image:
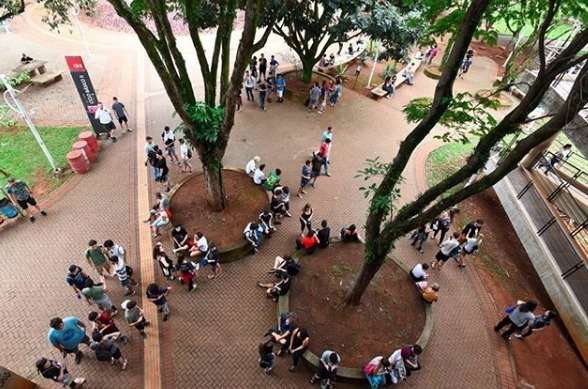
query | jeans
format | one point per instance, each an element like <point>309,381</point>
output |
<point>163,308</point>
<point>296,356</point>
<point>249,92</point>
<point>326,165</point>
<point>511,327</point>
<point>262,100</point>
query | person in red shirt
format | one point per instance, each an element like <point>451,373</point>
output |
<point>308,243</point>
<point>104,323</point>
<point>324,152</point>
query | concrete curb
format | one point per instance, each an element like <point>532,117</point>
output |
<point>354,374</point>
<point>233,252</point>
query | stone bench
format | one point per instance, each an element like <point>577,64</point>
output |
<point>400,78</point>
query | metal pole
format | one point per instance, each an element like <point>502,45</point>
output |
<point>76,13</point>
<point>20,109</point>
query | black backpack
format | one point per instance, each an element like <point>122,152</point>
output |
<point>103,352</point>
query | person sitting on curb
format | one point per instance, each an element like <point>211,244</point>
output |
<point>252,165</point>
<point>200,247</point>
<point>537,324</point>
<point>187,272</point>
<point>253,233</point>
<point>161,220</point>
<point>259,176</point>
<point>419,272</point>
<point>431,293</point>
<point>285,266</point>
<point>349,234</point>
<point>280,334</point>
<point>272,180</point>
<point>378,372</point>
<point>212,259</point>
<point>265,220</point>
<point>324,235</point>
<point>181,239</point>
<point>327,369</point>
<point>308,242</point>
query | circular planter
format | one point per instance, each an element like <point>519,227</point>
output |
<point>354,374</point>
<point>433,71</point>
<point>503,99</point>
<point>234,250</point>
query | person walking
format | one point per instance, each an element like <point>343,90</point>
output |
<point>121,114</point>
<point>324,152</point>
<point>299,342</point>
<point>157,295</point>
<point>418,237</point>
<point>67,334</point>
<point>96,294</point>
<point>97,256</point>
<point>537,324</point>
<point>280,87</point>
<point>104,117</point>
<point>447,249</point>
<point>262,95</point>
<point>239,98</point>
<point>250,83</point>
<point>306,218</point>
<point>162,170</point>
<point>53,370</point>
<point>305,177</point>
<point>466,63</point>
<point>267,357</point>
<point>169,140</point>
<point>327,134</point>
<point>336,93</point>
<point>186,156</point>
<point>20,193</point>
<point>135,316</point>
<point>516,319</point>
<point>262,66</point>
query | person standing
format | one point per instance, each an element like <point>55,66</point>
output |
<point>103,115</point>
<point>418,237</point>
<point>305,177</point>
<point>249,86</point>
<point>316,166</point>
<point>280,87</point>
<point>262,95</point>
<point>157,295</point>
<point>124,272</point>
<point>162,170</point>
<point>447,249</point>
<point>53,370</point>
<point>96,294</point>
<point>313,96</point>
<point>187,272</point>
<point>262,66</point>
<point>253,66</point>
<point>20,193</point>
<point>299,342</point>
<point>324,153</point>
<point>77,279</point>
<point>107,351</point>
<point>121,114</point>
<point>433,51</point>
<point>135,316</point>
<point>186,156</point>
<point>306,218</point>
<point>516,319</point>
<point>336,94</point>
<point>267,357</point>
<point>537,324</point>
<point>66,335</point>
<point>327,134</point>
<point>238,98</point>
<point>169,140</point>
<point>165,262</point>
<point>273,66</point>
<point>466,63</point>
<point>98,258</point>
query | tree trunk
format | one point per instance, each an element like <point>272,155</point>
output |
<point>361,282</point>
<point>307,65</point>
<point>215,191</point>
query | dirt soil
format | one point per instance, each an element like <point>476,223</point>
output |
<point>391,313</point>
<point>547,359</point>
<point>245,201</point>
<point>496,53</point>
<point>296,89</point>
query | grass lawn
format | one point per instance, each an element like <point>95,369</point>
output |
<point>446,160</point>
<point>21,156</point>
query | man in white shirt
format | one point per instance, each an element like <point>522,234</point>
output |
<point>418,273</point>
<point>259,175</point>
<point>251,166</point>
<point>105,118</point>
<point>327,134</point>
<point>249,86</point>
<point>186,156</point>
<point>169,140</point>
<point>447,249</point>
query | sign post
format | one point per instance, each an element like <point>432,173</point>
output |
<point>83,84</point>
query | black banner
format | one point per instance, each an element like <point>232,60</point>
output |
<point>84,86</point>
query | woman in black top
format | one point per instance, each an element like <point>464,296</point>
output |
<point>306,218</point>
<point>55,371</point>
<point>299,342</point>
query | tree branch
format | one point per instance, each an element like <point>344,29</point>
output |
<point>553,6</point>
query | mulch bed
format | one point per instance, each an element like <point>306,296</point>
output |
<point>245,201</point>
<point>390,315</point>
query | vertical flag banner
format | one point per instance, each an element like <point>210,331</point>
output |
<point>83,84</point>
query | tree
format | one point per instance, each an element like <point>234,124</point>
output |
<point>385,224</point>
<point>311,27</point>
<point>208,124</point>
<point>10,8</point>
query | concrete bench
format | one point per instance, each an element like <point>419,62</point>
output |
<point>46,78</point>
<point>414,65</point>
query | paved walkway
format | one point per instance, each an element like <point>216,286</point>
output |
<point>211,338</point>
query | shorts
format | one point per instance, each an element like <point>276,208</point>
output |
<point>441,257</point>
<point>160,224</point>
<point>315,174</point>
<point>280,93</point>
<point>24,204</point>
<point>117,355</point>
<point>107,127</point>
<point>122,119</point>
<point>126,283</point>
<point>304,182</point>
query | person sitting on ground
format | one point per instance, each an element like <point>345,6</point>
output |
<point>327,369</point>
<point>472,229</point>
<point>389,86</point>
<point>161,220</point>
<point>53,370</point>
<point>200,247</point>
<point>418,237</point>
<point>285,266</point>
<point>378,372</point>
<point>278,208</point>
<point>419,272</point>
<point>308,242</point>
<point>272,180</point>
<point>447,249</point>
<point>266,357</point>
<point>537,324</point>
<point>107,351</point>
<point>324,234</point>
<point>469,246</point>
<point>212,259</point>
<point>252,165</point>
<point>349,234</point>
<point>265,221</point>
<point>253,233</point>
<point>431,293</point>
<point>181,239</point>
<point>280,334</point>
<point>25,59</point>
<point>276,289</point>
<point>259,175</point>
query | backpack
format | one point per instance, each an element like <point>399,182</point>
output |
<point>152,157</point>
<point>292,268</point>
<point>103,352</point>
<point>189,153</point>
<point>186,267</point>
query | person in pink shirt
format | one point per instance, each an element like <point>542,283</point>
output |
<point>433,51</point>
<point>324,152</point>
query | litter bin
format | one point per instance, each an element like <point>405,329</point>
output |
<point>7,209</point>
<point>84,147</point>
<point>78,161</point>
<point>89,137</point>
